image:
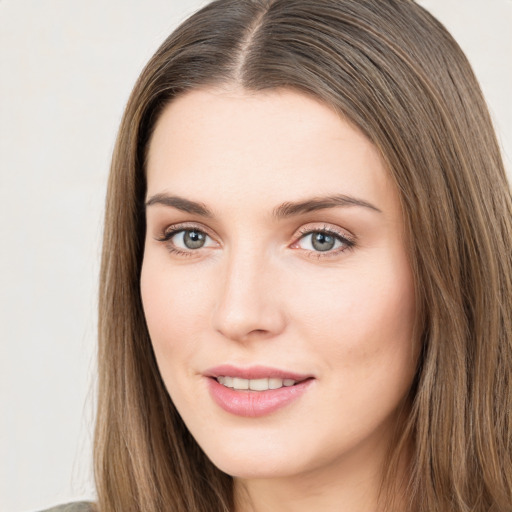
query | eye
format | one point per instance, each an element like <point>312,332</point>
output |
<point>323,241</point>
<point>184,241</point>
<point>189,239</point>
<point>320,241</point>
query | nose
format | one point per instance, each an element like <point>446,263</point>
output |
<point>250,301</point>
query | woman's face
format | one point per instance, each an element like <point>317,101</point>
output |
<point>275,260</point>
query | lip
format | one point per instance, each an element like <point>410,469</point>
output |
<point>254,372</point>
<point>253,404</point>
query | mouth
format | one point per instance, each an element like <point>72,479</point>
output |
<point>255,391</point>
<point>263,384</point>
<point>255,378</point>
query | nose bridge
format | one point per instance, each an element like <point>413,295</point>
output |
<point>247,300</point>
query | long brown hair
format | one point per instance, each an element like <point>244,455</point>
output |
<point>395,72</point>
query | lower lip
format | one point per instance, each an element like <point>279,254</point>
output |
<point>252,404</point>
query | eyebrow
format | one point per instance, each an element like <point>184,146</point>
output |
<point>320,203</point>
<point>180,203</point>
<point>288,209</point>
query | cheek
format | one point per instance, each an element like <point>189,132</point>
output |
<point>174,312</point>
<point>364,321</point>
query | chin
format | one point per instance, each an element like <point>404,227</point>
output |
<point>251,469</point>
<point>260,458</point>
<point>254,460</point>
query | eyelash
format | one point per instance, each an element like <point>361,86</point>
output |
<point>172,231</point>
<point>348,242</point>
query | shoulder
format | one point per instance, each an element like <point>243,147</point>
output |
<point>79,506</point>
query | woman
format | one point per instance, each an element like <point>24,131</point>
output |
<point>307,276</point>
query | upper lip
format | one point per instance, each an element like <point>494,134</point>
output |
<point>254,372</point>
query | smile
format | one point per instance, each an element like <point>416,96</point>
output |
<point>255,391</point>
<point>264,384</point>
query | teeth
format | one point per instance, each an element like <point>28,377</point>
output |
<point>254,384</point>
<point>240,383</point>
<point>226,381</point>
<point>258,384</point>
<point>275,383</point>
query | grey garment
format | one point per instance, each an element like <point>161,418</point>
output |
<point>78,506</point>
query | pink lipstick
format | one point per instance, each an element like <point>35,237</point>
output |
<point>254,391</point>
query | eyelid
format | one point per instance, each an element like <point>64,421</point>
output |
<point>348,239</point>
<point>314,227</point>
<point>170,230</point>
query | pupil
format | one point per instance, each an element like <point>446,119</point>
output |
<point>194,239</point>
<point>323,242</point>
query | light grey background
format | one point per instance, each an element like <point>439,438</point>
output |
<point>66,69</point>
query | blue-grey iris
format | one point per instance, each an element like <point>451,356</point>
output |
<point>322,241</point>
<point>194,239</point>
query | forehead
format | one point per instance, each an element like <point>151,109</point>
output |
<point>280,145</point>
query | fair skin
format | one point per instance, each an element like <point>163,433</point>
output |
<point>239,278</point>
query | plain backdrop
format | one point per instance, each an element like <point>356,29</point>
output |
<point>66,70</point>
